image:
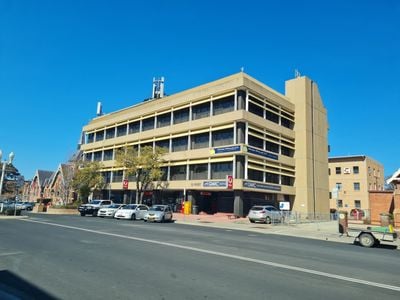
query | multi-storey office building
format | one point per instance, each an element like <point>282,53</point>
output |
<point>350,179</point>
<point>231,143</point>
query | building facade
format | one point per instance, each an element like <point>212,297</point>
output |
<point>350,180</point>
<point>230,144</point>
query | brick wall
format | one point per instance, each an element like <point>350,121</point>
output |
<point>380,202</point>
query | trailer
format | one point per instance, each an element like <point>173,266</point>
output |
<point>372,236</point>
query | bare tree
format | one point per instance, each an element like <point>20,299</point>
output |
<point>145,167</point>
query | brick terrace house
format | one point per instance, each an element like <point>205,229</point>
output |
<point>38,184</point>
<point>58,187</point>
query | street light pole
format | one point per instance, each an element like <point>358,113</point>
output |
<point>4,163</point>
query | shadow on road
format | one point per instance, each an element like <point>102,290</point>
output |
<point>14,287</point>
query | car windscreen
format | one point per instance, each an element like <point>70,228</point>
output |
<point>130,206</point>
<point>157,208</point>
<point>95,202</point>
<point>257,208</point>
<point>114,206</point>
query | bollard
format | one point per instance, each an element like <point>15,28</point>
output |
<point>343,222</point>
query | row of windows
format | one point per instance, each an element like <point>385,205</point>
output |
<point>199,111</point>
<point>356,186</point>
<point>181,172</point>
<point>205,171</point>
<point>357,203</point>
<point>270,146</point>
<point>195,141</point>
<point>269,112</point>
<point>338,170</point>
<point>195,112</point>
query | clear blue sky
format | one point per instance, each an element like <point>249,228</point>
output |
<point>59,58</point>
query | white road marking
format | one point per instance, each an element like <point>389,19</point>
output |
<point>11,253</point>
<point>232,256</point>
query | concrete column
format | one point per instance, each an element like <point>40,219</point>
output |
<point>239,167</point>
<point>238,204</point>
<point>241,100</point>
<point>240,133</point>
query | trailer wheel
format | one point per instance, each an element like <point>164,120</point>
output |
<point>367,240</point>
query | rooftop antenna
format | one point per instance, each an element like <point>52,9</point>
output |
<point>296,73</point>
<point>99,110</point>
<point>158,88</point>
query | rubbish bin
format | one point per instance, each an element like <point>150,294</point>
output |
<point>386,219</point>
<point>195,210</point>
<point>42,208</point>
<point>343,222</point>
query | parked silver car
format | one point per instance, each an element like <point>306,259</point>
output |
<point>264,213</point>
<point>132,212</point>
<point>109,211</point>
<point>159,213</point>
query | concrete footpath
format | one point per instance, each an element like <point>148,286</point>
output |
<point>324,230</point>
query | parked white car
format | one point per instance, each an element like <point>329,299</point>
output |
<point>159,213</point>
<point>132,212</point>
<point>264,213</point>
<point>109,211</point>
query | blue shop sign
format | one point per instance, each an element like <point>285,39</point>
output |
<point>221,183</point>
<point>235,148</point>
<point>262,186</point>
<point>262,153</point>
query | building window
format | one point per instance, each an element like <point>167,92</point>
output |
<point>221,170</point>
<point>223,105</point>
<point>97,155</point>
<point>287,151</point>
<point>356,170</point>
<point>164,172</point>
<point>110,133</point>
<point>148,124</point>
<point>255,109</point>
<point>256,142</point>
<point>287,123</point>
<point>271,116</point>
<point>338,170</point>
<point>107,176</point>
<point>201,140</point>
<point>90,138</point>
<point>329,171</point>
<point>356,186</point>
<point>339,186</point>
<point>108,154</point>
<point>117,176</point>
<point>287,180</point>
<point>178,173</point>
<point>357,203</point>
<point>163,144</point>
<point>271,177</point>
<point>200,111</point>
<point>339,203</point>
<point>255,175</point>
<point>88,156</point>
<point>222,137</point>
<point>99,136</point>
<point>181,116</point>
<point>121,130</point>
<point>180,144</point>
<point>164,120</point>
<point>198,172</point>
<point>133,127</point>
<point>271,147</point>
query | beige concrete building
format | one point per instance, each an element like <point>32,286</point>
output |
<point>350,180</point>
<point>231,143</point>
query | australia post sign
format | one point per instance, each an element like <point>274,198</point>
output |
<point>125,184</point>
<point>229,182</point>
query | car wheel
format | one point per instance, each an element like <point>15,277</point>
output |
<point>133,217</point>
<point>162,219</point>
<point>252,221</point>
<point>367,240</point>
<point>267,220</point>
<point>94,214</point>
<point>82,214</point>
<point>145,220</point>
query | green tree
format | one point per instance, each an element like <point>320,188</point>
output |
<point>87,179</point>
<point>145,167</point>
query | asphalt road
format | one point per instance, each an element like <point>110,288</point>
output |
<point>73,257</point>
